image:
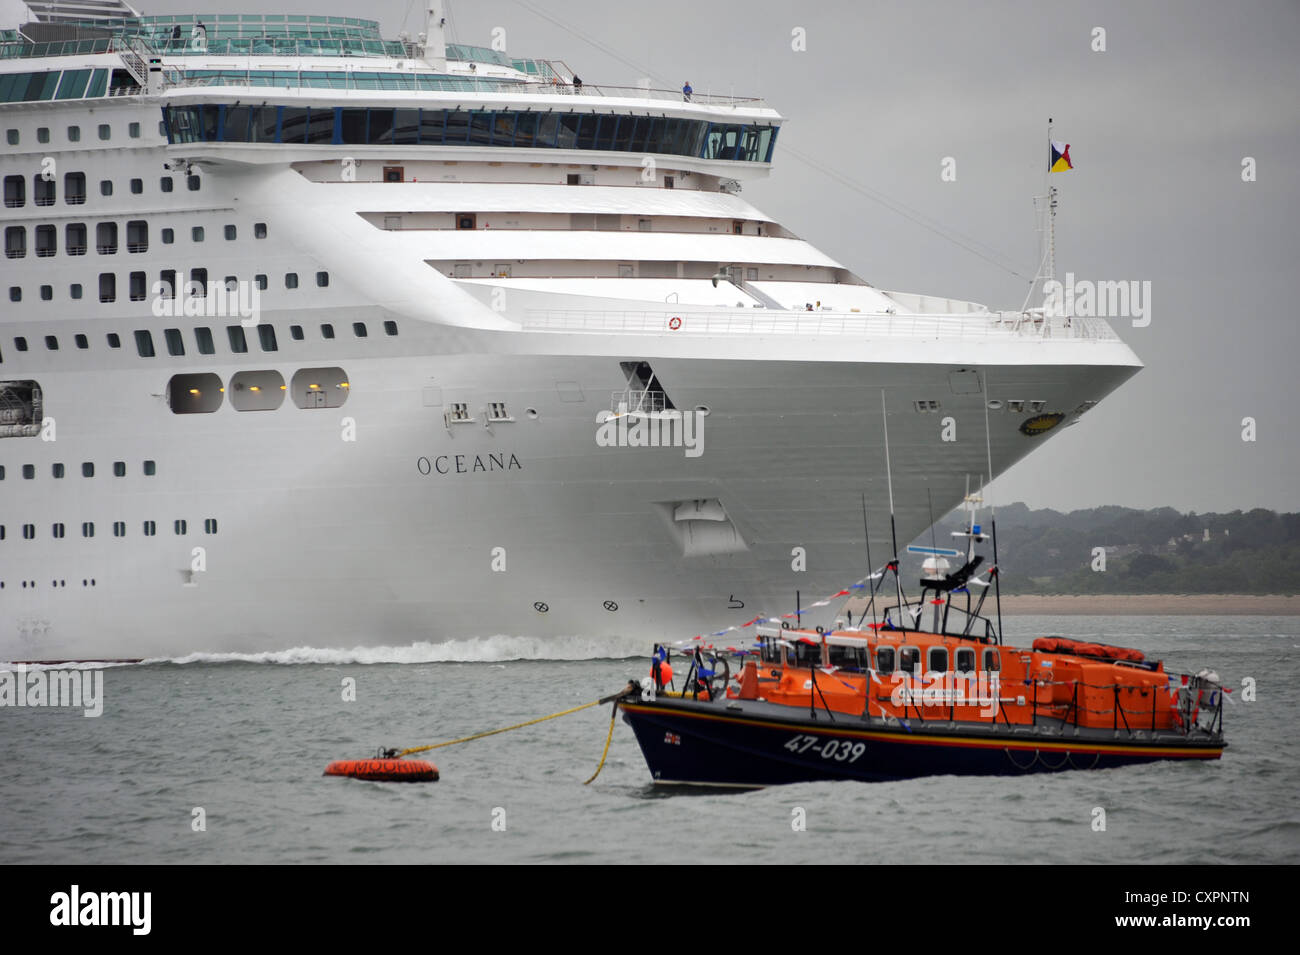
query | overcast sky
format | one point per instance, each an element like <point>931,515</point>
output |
<point>1158,125</point>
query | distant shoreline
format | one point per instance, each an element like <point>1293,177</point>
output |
<point>1100,605</point>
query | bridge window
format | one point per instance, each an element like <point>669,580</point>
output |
<point>937,660</point>
<point>965,660</point>
<point>885,659</point>
<point>909,660</point>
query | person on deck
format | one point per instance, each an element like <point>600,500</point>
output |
<point>687,91</point>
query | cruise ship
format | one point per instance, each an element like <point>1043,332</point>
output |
<point>316,338</point>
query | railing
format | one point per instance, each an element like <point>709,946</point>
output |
<point>740,321</point>
<point>637,401</point>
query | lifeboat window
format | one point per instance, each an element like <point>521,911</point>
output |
<point>319,387</point>
<point>938,660</point>
<point>885,659</point>
<point>194,394</point>
<point>808,654</point>
<point>992,661</point>
<point>771,650</point>
<point>848,658</point>
<point>909,659</point>
<point>966,660</point>
<point>257,391</point>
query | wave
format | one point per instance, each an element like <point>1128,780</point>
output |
<point>497,649</point>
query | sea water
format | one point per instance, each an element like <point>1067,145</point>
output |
<point>218,759</point>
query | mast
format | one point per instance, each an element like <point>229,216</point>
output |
<point>435,39</point>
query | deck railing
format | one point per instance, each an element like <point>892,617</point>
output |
<point>738,321</point>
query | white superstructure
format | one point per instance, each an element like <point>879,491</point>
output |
<point>446,267</point>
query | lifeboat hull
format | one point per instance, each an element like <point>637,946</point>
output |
<point>755,744</point>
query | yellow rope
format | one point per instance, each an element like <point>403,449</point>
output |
<point>504,729</point>
<point>608,738</point>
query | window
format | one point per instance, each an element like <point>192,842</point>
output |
<point>323,279</point>
<point>965,660</point>
<point>12,136</point>
<point>193,394</point>
<point>198,283</point>
<point>20,343</point>
<point>47,293</point>
<point>238,343</point>
<point>196,234</point>
<point>29,531</point>
<point>359,329</point>
<point>43,134</point>
<point>15,192</point>
<point>992,662</point>
<point>465,221</point>
<point>138,286</point>
<point>150,528</point>
<point>75,238</point>
<point>390,327</point>
<point>144,343</point>
<point>203,341</point>
<point>909,660</point>
<point>105,132</point>
<point>180,527</point>
<point>74,188</point>
<point>295,332</point>
<point>15,293</point>
<point>106,238</point>
<point>175,345</point>
<point>74,134</point>
<point>29,471</point>
<point>937,660</point>
<point>230,233</point>
<point>47,241</point>
<point>81,341</point>
<point>52,342</point>
<point>137,236</point>
<point>167,283</point>
<point>210,525</point>
<point>74,290</point>
<point>166,184</point>
<point>119,469</point>
<point>290,279</point>
<point>261,282</point>
<point>192,183</point>
<point>106,187</point>
<point>57,469</point>
<point>133,130</point>
<point>259,230</point>
<point>150,468</point>
<point>168,236</point>
<point>44,190</point>
<point>326,330</point>
<point>266,335</point>
<point>885,659</point>
<point>137,187</point>
<point>57,531</point>
<point>88,529</point>
<point>114,341</point>
<point>107,287</point>
<point>119,528</point>
<point>15,242</point>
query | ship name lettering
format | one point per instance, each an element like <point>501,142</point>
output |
<point>468,463</point>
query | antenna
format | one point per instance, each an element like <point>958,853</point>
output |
<point>867,535</point>
<point>893,530</point>
<point>995,572</point>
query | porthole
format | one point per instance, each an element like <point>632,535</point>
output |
<point>995,405</point>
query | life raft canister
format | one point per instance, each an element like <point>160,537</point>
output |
<point>385,770</point>
<point>1081,648</point>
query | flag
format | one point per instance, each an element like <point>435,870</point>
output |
<point>1060,157</point>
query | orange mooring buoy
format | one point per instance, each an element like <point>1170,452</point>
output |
<point>386,770</point>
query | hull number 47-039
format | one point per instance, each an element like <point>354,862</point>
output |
<point>840,750</point>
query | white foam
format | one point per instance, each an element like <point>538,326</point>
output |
<point>470,650</point>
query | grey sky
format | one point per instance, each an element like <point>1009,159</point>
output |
<point>1158,125</point>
